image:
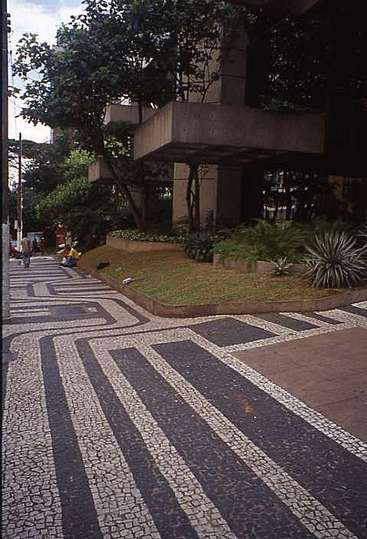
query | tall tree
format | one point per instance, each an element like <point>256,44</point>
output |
<point>149,52</point>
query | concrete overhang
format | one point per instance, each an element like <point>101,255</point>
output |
<point>155,172</point>
<point>221,134</point>
<point>291,7</point>
<point>98,172</point>
<point>127,113</point>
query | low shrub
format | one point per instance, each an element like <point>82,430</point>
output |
<point>199,246</point>
<point>155,236</point>
<point>264,242</point>
<point>335,261</point>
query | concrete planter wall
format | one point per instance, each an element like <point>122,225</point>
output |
<point>135,246</point>
<point>241,266</point>
<point>261,266</point>
<point>187,311</point>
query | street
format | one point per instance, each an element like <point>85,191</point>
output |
<point>118,423</point>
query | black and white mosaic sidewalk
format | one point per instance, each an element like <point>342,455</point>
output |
<point>119,424</point>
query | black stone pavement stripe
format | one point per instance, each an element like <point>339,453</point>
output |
<point>78,511</point>
<point>171,521</point>
<point>228,331</point>
<point>249,507</point>
<point>326,470</point>
<point>287,321</point>
<point>63,313</point>
<point>119,301</point>
<point>322,318</point>
<point>354,310</point>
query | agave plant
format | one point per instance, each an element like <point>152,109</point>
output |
<point>280,266</point>
<point>362,235</point>
<point>335,261</point>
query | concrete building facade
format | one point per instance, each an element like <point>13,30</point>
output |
<point>232,142</point>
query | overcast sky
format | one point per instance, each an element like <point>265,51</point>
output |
<point>40,17</point>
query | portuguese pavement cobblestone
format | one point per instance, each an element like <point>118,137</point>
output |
<point>120,424</point>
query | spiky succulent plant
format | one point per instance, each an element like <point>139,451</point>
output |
<point>335,261</point>
<point>280,266</point>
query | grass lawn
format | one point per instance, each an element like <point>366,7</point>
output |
<point>173,279</point>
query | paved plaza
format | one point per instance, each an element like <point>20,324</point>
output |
<point>120,424</point>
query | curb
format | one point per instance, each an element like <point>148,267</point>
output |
<point>190,311</point>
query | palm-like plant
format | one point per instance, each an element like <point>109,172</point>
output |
<point>280,266</point>
<point>335,261</point>
<point>362,234</point>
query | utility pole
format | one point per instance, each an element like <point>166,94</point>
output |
<point>4,161</point>
<point>20,196</point>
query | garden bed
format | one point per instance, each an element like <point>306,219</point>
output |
<point>260,266</point>
<point>173,280</point>
<point>138,246</point>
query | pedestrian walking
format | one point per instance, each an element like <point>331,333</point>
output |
<point>35,247</point>
<point>26,251</point>
<point>43,246</point>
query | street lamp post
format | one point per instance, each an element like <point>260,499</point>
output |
<point>4,162</point>
<point>20,197</point>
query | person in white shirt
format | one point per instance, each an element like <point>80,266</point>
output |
<point>26,251</point>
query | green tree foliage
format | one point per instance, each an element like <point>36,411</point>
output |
<point>300,63</point>
<point>149,52</point>
<point>86,209</point>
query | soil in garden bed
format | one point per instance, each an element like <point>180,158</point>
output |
<point>171,278</point>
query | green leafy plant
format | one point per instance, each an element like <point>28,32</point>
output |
<point>199,247</point>
<point>335,261</point>
<point>280,266</point>
<point>137,235</point>
<point>264,242</point>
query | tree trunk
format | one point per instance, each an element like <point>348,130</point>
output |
<point>197,200</point>
<point>189,199</point>
<point>193,198</point>
<point>124,190</point>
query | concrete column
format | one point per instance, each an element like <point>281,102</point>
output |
<point>252,194</point>
<point>229,196</point>
<point>220,186</point>
<point>208,193</point>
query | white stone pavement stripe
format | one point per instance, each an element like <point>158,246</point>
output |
<point>16,310</point>
<point>172,521</point>
<point>312,514</point>
<point>29,314</point>
<point>45,327</point>
<point>309,511</point>
<point>344,316</point>
<point>267,326</point>
<point>18,294</point>
<point>79,517</point>
<point>30,495</point>
<point>319,464</point>
<point>78,285</point>
<point>233,487</point>
<point>309,319</point>
<point>113,488</point>
<point>294,335</point>
<point>187,489</point>
<point>317,420</point>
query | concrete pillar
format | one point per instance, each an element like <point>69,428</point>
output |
<point>220,186</point>
<point>252,194</point>
<point>208,193</point>
<point>229,196</point>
